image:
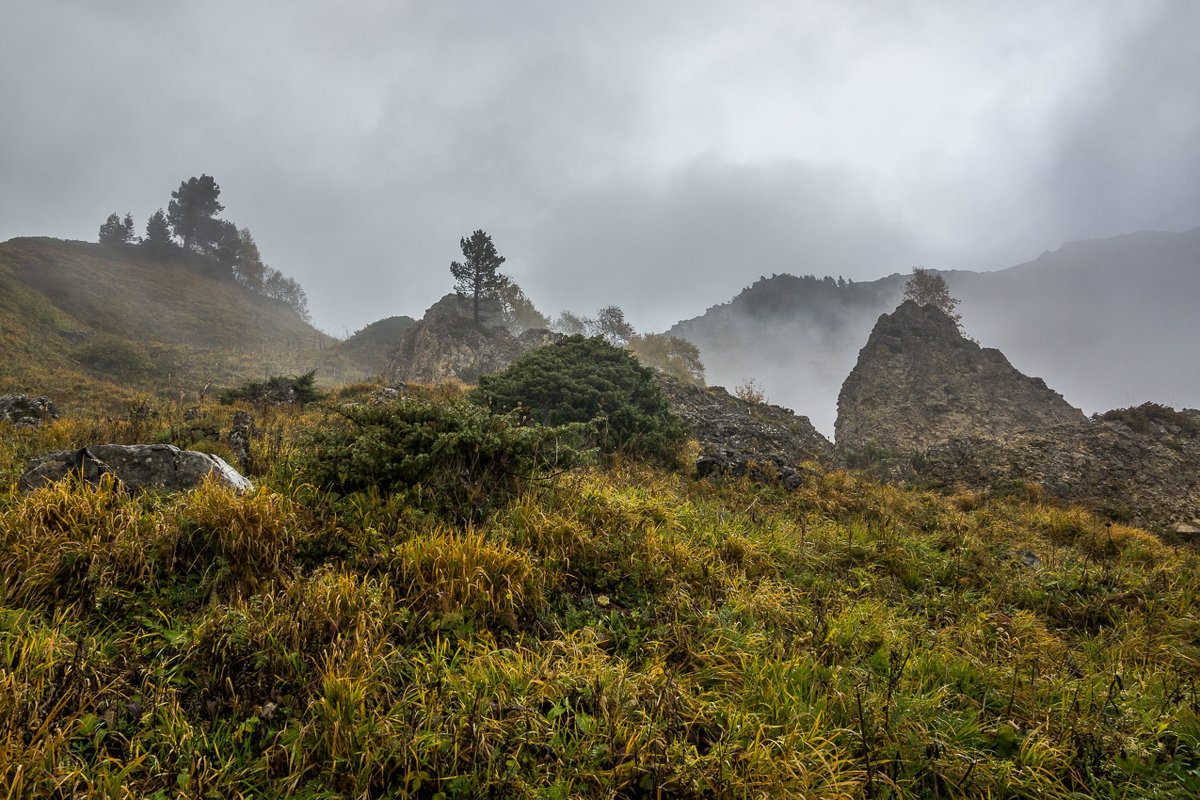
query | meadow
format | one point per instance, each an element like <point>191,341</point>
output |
<point>619,629</point>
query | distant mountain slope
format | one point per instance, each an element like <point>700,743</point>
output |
<point>372,345</point>
<point>89,324</point>
<point>1108,322</point>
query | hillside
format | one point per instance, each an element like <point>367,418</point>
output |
<point>95,325</point>
<point>372,345</point>
<point>1102,321</point>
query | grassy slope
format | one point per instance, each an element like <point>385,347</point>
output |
<point>92,326</point>
<point>623,633</point>
<point>373,344</point>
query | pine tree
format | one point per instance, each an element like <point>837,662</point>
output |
<point>158,234</point>
<point>114,231</point>
<point>192,213</point>
<point>476,276</point>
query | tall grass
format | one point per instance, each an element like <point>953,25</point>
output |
<point>620,633</point>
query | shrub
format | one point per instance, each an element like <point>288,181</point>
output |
<point>751,391</point>
<point>114,355</point>
<point>588,381</point>
<point>449,456</point>
<point>276,390</point>
<point>1140,418</point>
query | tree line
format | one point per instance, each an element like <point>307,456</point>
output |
<point>191,229</point>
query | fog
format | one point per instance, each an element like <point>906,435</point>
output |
<point>1108,323</point>
<point>655,156</point>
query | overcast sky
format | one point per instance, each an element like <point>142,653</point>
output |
<point>656,155</point>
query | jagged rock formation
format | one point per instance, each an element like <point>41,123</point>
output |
<point>156,467</point>
<point>1148,475</point>
<point>739,437</point>
<point>918,382</point>
<point>25,411</point>
<point>447,344</point>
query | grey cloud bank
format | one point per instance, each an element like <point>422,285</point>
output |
<point>659,156</point>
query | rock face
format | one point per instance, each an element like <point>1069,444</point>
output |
<point>1149,476</point>
<point>739,437</point>
<point>448,344</point>
<point>156,467</point>
<point>918,382</point>
<point>26,411</point>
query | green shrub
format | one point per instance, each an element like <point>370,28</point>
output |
<point>276,390</point>
<point>589,381</point>
<point>449,456</point>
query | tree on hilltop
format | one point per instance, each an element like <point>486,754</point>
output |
<point>476,276</point>
<point>610,323</point>
<point>158,234</point>
<point>117,231</point>
<point>570,323</point>
<point>192,213</point>
<point>927,288</point>
<point>516,309</point>
<point>672,355</point>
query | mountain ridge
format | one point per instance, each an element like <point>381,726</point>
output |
<point>1079,316</point>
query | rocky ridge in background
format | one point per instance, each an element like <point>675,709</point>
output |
<point>919,381</point>
<point>1147,474</point>
<point>744,438</point>
<point>924,403</point>
<point>448,344</point>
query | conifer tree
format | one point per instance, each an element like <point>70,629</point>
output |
<point>192,212</point>
<point>114,231</point>
<point>158,234</point>
<point>476,276</point>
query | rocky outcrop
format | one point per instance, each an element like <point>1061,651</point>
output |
<point>1147,474</point>
<point>25,411</point>
<point>152,467</point>
<point>740,437</point>
<point>448,344</point>
<point>919,381</point>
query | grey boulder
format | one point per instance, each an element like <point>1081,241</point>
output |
<point>153,467</point>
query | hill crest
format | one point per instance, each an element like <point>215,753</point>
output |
<point>90,323</point>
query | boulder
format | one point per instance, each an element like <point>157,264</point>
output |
<point>25,411</point>
<point>744,438</point>
<point>919,381</point>
<point>447,344</point>
<point>151,467</point>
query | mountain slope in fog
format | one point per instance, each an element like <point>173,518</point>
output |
<point>92,324</point>
<point>1107,322</point>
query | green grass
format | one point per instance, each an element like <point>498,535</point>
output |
<point>621,632</point>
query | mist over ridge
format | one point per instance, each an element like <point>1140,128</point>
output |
<point>1107,322</point>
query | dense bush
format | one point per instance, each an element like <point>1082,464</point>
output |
<point>275,390</point>
<point>588,380</point>
<point>1140,418</point>
<point>452,457</point>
